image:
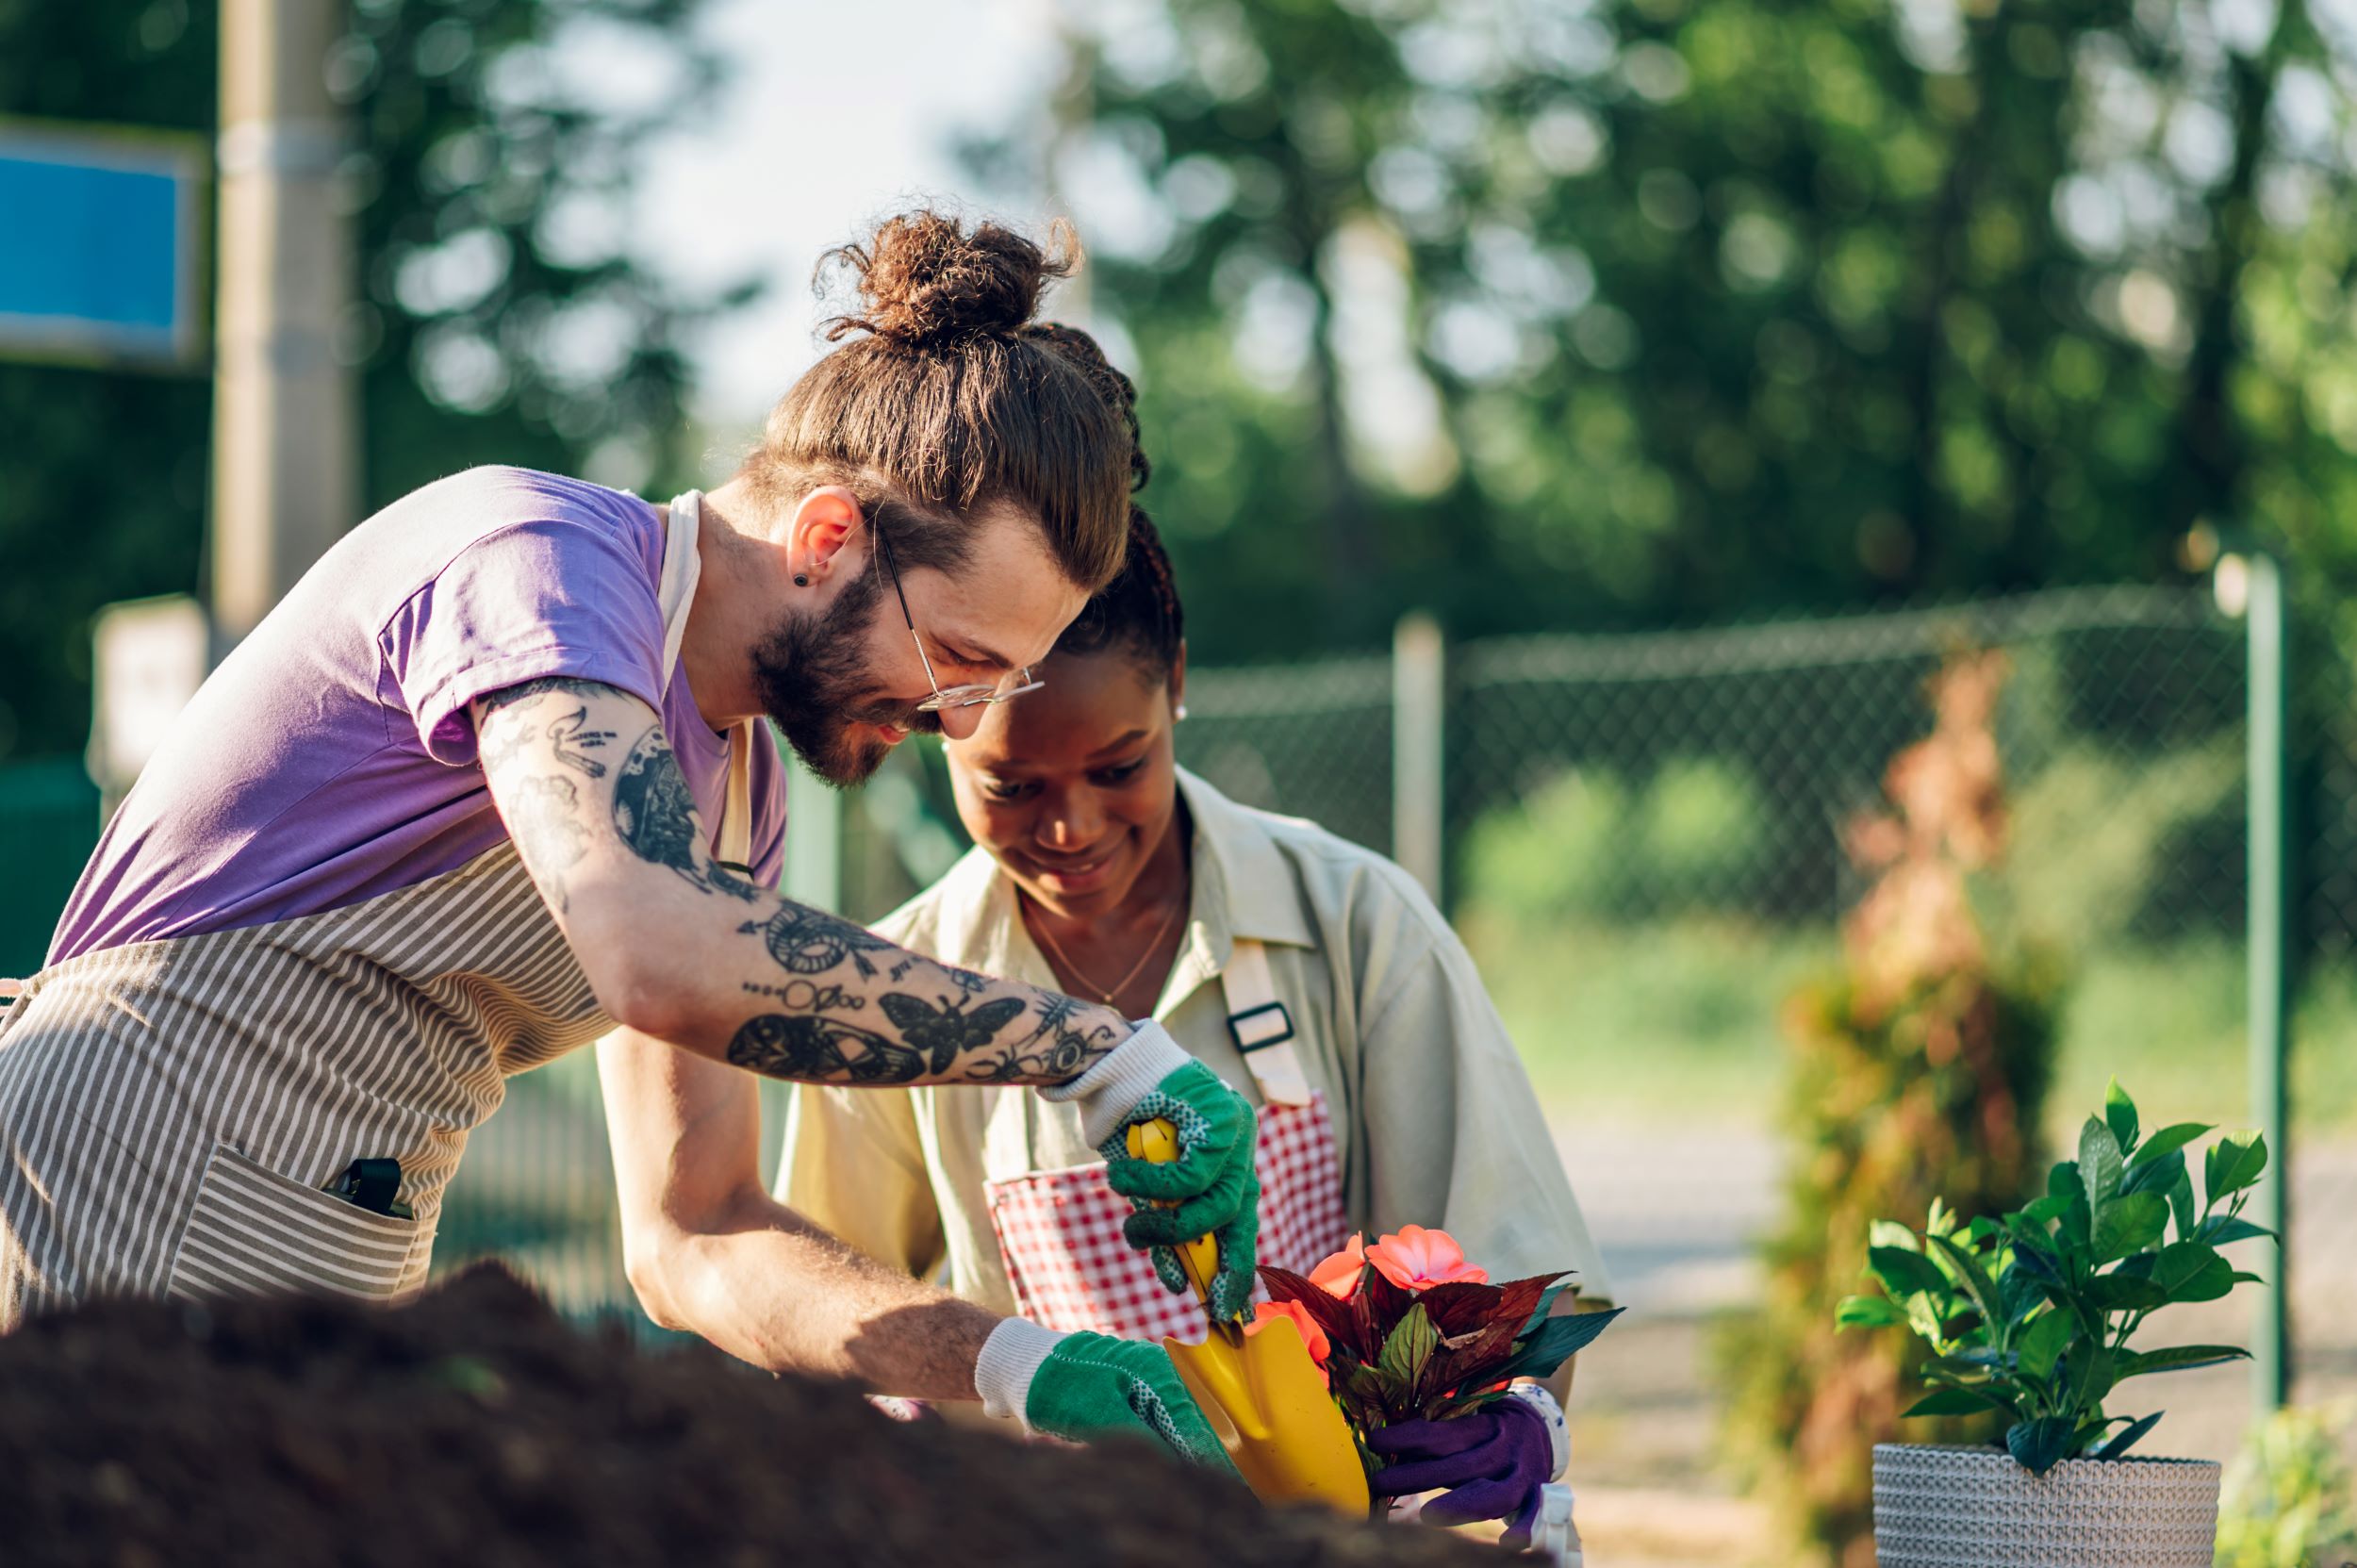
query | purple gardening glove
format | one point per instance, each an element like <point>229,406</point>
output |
<point>1490,1465</point>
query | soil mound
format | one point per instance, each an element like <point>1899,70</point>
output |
<point>477,1426</point>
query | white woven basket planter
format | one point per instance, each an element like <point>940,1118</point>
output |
<point>1975,1508</point>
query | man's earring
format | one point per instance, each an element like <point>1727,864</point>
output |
<point>801,579</point>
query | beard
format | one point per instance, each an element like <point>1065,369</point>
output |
<point>814,684</point>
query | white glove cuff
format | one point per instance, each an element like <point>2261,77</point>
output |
<point>1559,1430</point>
<point>1111,1089</point>
<point>1010,1358</point>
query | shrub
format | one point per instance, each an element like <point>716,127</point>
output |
<point>2289,1501</point>
<point>1586,846</point>
<point>1918,1070</point>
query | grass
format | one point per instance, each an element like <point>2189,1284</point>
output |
<point>1680,1021</point>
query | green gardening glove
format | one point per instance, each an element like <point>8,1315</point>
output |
<point>1210,1189</point>
<point>1089,1387</point>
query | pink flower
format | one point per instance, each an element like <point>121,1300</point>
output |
<point>1339,1275</point>
<point>1313,1336</point>
<point>1418,1259</point>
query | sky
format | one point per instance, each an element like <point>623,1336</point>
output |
<point>835,115</point>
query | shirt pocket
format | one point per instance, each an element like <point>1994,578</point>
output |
<point>253,1231</point>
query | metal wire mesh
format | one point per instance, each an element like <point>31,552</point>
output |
<point>1634,786</point>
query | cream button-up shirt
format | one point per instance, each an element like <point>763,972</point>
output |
<point>1434,1117</point>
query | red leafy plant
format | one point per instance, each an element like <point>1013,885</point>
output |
<point>1407,1329</point>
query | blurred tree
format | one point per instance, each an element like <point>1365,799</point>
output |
<point>499,315</point>
<point>1613,311</point>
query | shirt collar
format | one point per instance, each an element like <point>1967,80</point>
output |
<point>1242,880</point>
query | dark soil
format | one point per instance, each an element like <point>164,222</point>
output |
<point>478,1427</point>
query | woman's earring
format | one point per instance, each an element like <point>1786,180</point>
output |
<point>1180,713</point>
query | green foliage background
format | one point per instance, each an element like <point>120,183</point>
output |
<point>1714,308</point>
<point>499,318</point>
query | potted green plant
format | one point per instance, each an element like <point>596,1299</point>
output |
<point>2031,1316</point>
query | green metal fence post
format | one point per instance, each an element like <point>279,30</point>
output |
<point>2269,979</point>
<point>1419,686</point>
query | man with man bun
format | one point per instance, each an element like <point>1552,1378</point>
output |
<point>497,779</point>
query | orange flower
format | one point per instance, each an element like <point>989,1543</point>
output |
<point>1339,1275</point>
<point>1314,1337</point>
<point>1417,1258</point>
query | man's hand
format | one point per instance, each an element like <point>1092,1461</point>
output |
<point>1089,1387</point>
<point>1210,1189</point>
<point>681,948</point>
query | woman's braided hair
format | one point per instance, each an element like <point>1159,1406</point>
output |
<point>1137,612</point>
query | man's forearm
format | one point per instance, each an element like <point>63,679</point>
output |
<point>687,949</point>
<point>771,1288</point>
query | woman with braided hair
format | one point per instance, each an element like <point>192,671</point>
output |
<point>1309,973</point>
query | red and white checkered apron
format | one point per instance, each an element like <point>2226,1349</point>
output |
<point>1060,1233</point>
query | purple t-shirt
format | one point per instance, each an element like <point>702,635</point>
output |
<point>331,759</point>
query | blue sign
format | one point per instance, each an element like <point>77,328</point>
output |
<point>100,258</point>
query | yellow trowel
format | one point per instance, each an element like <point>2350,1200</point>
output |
<point>1262,1393</point>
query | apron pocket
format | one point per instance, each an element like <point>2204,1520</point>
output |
<point>1068,1267</point>
<point>255,1233</point>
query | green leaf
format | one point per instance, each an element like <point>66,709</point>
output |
<point>1958,1401</point>
<point>2178,1358</point>
<point>1557,1340</point>
<point>2155,1176</point>
<point>2045,1211</point>
<point>2129,1224</point>
<point>2181,1204</point>
<point>2088,1373</point>
<point>2042,1343</point>
<point>2192,1271</point>
<point>1903,1273</point>
<point>1977,1283</point>
<point>2075,1236</point>
<point>2120,1114</point>
<point>2118,1445</point>
<point>2038,1445</point>
<point>1889,1232</point>
<point>1409,1347</point>
<point>2224,1229</point>
<point>2168,1140</point>
<point>1868,1311</point>
<point>2064,1182</point>
<point>2125,1292</point>
<point>2235,1163</point>
<point>1547,1304</point>
<point>2100,1163</point>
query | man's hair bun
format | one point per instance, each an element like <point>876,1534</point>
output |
<point>925,281</point>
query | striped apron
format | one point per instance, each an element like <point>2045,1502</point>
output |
<point>170,1112</point>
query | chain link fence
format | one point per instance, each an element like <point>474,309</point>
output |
<point>1645,850</point>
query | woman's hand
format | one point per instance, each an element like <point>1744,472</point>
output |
<point>1492,1465</point>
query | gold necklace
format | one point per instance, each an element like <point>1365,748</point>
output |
<point>1156,941</point>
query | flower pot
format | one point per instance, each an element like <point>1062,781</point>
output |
<point>1975,1508</point>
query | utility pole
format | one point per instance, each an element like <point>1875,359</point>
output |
<point>284,461</point>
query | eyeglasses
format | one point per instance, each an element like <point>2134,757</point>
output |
<point>975,695</point>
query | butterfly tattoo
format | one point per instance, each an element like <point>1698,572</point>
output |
<point>950,1032</point>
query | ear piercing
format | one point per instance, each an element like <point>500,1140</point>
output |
<point>801,579</point>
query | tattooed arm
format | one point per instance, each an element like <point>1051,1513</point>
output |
<point>682,948</point>
<point>710,1252</point>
